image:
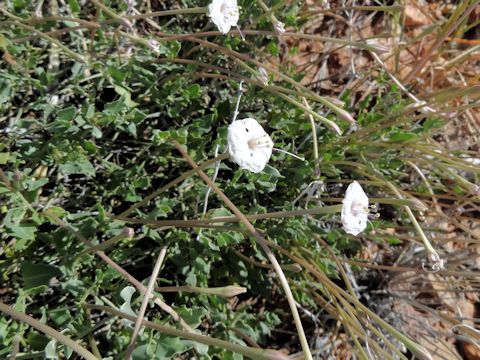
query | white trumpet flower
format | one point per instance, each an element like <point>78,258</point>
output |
<point>249,145</point>
<point>355,209</point>
<point>224,14</point>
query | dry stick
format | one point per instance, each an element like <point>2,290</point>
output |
<point>253,353</point>
<point>332,209</point>
<point>263,244</point>
<point>143,307</point>
<point>15,347</point>
<point>141,288</point>
<point>224,291</point>
<point>65,340</point>
<point>173,183</point>
<point>289,267</point>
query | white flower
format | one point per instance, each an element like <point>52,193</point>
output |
<point>249,145</point>
<point>224,14</point>
<point>355,209</point>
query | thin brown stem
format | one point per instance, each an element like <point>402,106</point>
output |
<point>143,307</point>
<point>263,244</point>
<point>172,183</point>
<point>141,288</point>
<point>47,330</point>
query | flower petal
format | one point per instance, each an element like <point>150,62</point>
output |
<point>249,145</point>
<point>355,209</point>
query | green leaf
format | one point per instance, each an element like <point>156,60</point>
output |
<point>4,42</point>
<point>170,346</point>
<point>160,137</point>
<point>74,6</point>
<point>80,166</point>
<point>193,315</point>
<point>126,294</point>
<point>51,350</point>
<point>37,184</point>
<point>402,136</point>
<point>96,132</point>
<point>66,114</point>
<point>37,341</point>
<point>433,123</point>
<point>60,317</point>
<point>4,158</point>
<point>38,274</point>
<point>22,231</point>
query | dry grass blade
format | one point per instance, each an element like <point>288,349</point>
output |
<point>146,298</point>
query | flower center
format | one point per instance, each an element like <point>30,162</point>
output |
<point>357,209</point>
<point>227,10</point>
<point>254,144</point>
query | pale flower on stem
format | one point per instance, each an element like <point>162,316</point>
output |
<point>224,14</point>
<point>355,210</point>
<point>249,145</point>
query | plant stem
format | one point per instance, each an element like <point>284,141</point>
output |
<point>172,183</point>
<point>43,36</point>
<point>194,10</point>
<point>263,244</point>
<point>140,287</point>
<point>253,353</point>
<point>65,340</point>
<point>226,291</point>
<point>415,223</point>
<point>322,119</point>
<point>289,267</point>
<point>146,297</point>
<point>332,209</point>
<point>314,139</point>
<point>111,13</point>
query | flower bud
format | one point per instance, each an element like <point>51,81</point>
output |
<point>227,291</point>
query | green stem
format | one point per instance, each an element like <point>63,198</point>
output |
<point>314,137</point>
<point>253,353</point>
<point>65,340</point>
<point>415,223</point>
